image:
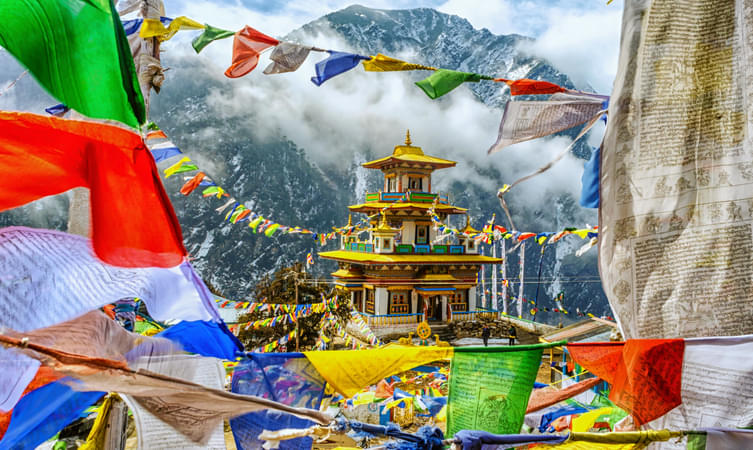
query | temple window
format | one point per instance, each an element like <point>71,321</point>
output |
<point>422,234</point>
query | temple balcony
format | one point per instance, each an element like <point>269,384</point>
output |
<point>407,249</point>
<point>415,197</point>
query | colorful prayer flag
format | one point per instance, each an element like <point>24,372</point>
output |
<point>154,28</point>
<point>443,81</point>
<point>383,63</point>
<point>247,46</point>
<point>78,52</point>
<point>335,64</point>
<point>644,374</point>
<point>525,86</point>
<point>490,387</point>
<point>287,57</point>
<point>209,35</point>
<point>133,222</point>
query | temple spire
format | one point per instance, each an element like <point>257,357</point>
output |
<point>407,138</point>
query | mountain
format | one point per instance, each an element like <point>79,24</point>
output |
<point>292,151</point>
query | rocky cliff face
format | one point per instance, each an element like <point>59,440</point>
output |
<point>301,165</point>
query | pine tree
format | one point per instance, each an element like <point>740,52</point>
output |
<point>280,288</point>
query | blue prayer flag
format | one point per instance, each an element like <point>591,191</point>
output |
<point>589,194</point>
<point>335,64</point>
<point>43,412</point>
<point>288,378</point>
<point>204,338</point>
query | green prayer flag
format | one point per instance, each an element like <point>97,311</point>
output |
<point>443,81</point>
<point>186,168</point>
<point>209,35</point>
<point>489,390</point>
<point>696,441</point>
<point>77,50</point>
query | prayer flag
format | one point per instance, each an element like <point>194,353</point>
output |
<point>209,35</point>
<point>192,184</point>
<point>133,222</point>
<point>78,52</point>
<point>335,64</point>
<point>287,378</point>
<point>163,150</point>
<point>644,374</point>
<point>350,371</point>
<point>490,387</point>
<point>247,46</point>
<point>383,63</point>
<point>443,81</point>
<point>184,165</point>
<point>287,57</point>
<point>589,194</point>
<point>43,412</point>
<point>542,398</point>
<point>154,28</point>
<point>526,120</point>
<point>57,110</point>
<point>525,86</point>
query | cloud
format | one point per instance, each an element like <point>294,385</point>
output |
<point>584,45</point>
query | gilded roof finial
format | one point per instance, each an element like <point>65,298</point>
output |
<point>350,220</point>
<point>384,220</point>
<point>407,138</point>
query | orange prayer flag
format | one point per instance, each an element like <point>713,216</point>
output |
<point>645,374</point>
<point>192,184</point>
<point>247,46</point>
<point>531,87</point>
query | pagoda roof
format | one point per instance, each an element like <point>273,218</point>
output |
<point>391,258</point>
<point>407,206</point>
<point>408,153</point>
<point>345,273</point>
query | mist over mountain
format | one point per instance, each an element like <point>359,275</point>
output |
<point>292,151</point>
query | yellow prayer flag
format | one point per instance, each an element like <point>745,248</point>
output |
<point>96,438</point>
<point>350,371</point>
<point>174,168</point>
<point>586,421</point>
<point>582,233</point>
<point>382,63</point>
<point>154,28</point>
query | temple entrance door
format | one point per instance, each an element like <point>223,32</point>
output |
<point>433,307</point>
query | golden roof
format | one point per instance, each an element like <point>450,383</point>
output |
<point>410,154</point>
<point>376,258</point>
<point>344,273</point>
<point>384,227</point>
<point>450,209</point>
<point>468,228</point>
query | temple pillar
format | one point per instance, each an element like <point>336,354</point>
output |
<point>472,299</point>
<point>444,308</point>
<point>414,302</point>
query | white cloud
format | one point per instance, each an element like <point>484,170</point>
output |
<point>584,45</point>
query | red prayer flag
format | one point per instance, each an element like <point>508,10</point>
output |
<point>531,87</point>
<point>133,223</point>
<point>192,184</point>
<point>645,374</point>
<point>159,134</point>
<point>524,236</point>
<point>247,46</point>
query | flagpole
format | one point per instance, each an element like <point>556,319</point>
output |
<point>521,275</point>
<point>504,276</point>
<point>494,303</point>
